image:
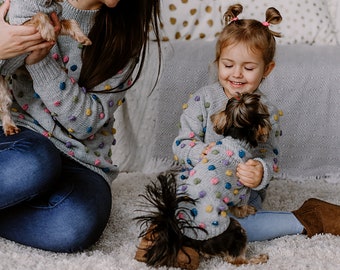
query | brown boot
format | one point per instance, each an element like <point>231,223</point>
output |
<point>319,217</point>
<point>188,258</point>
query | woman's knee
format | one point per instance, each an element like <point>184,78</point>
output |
<point>80,216</point>
<point>29,155</point>
<point>29,163</point>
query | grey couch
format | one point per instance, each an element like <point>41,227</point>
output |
<point>305,84</point>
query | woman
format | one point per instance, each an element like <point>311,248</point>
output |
<point>54,189</point>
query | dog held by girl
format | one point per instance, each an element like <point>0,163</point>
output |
<point>195,215</point>
<point>38,15</point>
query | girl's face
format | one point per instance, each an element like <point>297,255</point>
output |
<point>240,70</point>
<point>93,4</point>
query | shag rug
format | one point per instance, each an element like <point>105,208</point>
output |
<point>116,248</point>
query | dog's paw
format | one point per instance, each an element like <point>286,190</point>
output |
<point>43,24</point>
<point>243,211</point>
<point>47,32</point>
<point>84,40</point>
<point>10,129</point>
<point>262,258</point>
<point>251,210</point>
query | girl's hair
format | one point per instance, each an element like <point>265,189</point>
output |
<point>119,37</point>
<point>255,34</point>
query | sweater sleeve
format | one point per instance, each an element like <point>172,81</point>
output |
<point>9,66</point>
<point>268,153</point>
<point>78,111</point>
<point>189,143</point>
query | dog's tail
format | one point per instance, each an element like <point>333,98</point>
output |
<point>162,230</point>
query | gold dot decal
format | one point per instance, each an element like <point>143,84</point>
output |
<point>202,35</point>
<point>208,9</point>
<point>172,7</point>
<point>173,21</point>
<point>193,11</point>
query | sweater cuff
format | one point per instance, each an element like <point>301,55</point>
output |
<point>266,175</point>
<point>45,70</point>
<point>11,65</point>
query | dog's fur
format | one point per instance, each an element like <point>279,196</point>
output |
<point>246,119</point>
<point>43,24</point>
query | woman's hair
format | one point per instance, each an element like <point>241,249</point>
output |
<point>119,37</point>
<point>255,34</point>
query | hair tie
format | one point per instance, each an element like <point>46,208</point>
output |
<point>266,23</point>
<point>234,19</point>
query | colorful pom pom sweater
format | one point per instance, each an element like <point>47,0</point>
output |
<point>195,134</point>
<point>215,187</point>
<point>79,123</point>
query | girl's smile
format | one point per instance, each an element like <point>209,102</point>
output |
<point>241,70</point>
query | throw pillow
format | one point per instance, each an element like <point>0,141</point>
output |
<point>191,19</point>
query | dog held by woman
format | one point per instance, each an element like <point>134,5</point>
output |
<point>35,13</point>
<point>185,218</point>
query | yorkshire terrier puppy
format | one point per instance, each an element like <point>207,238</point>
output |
<point>23,12</point>
<point>194,216</point>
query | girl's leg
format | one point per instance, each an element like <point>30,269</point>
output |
<point>29,164</point>
<point>266,225</point>
<point>69,218</point>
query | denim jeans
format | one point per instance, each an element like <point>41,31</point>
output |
<point>47,200</point>
<point>267,225</point>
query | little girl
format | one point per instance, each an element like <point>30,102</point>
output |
<point>244,56</point>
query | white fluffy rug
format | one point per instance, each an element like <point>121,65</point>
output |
<point>116,248</point>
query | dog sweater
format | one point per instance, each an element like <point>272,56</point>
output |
<point>23,10</point>
<point>213,183</point>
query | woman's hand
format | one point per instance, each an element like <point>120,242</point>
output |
<point>40,54</point>
<point>18,39</point>
<point>250,173</point>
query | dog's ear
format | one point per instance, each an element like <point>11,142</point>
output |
<point>220,122</point>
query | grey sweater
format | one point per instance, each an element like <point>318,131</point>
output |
<point>80,124</point>
<point>215,187</point>
<point>197,131</point>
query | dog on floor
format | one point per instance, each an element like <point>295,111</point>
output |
<point>185,218</point>
<point>20,12</point>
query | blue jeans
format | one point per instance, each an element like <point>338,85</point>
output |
<point>267,225</point>
<point>47,200</point>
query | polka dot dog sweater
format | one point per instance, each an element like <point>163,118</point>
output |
<point>23,10</point>
<point>213,183</point>
<point>79,123</point>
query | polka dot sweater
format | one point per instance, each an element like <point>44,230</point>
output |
<point>212,179</point>
<point>213,183</point>
<point>78,122</point>
<point>197,131</point>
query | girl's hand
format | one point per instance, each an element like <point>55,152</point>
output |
<point>17,39</point>
<point>250,173</point>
